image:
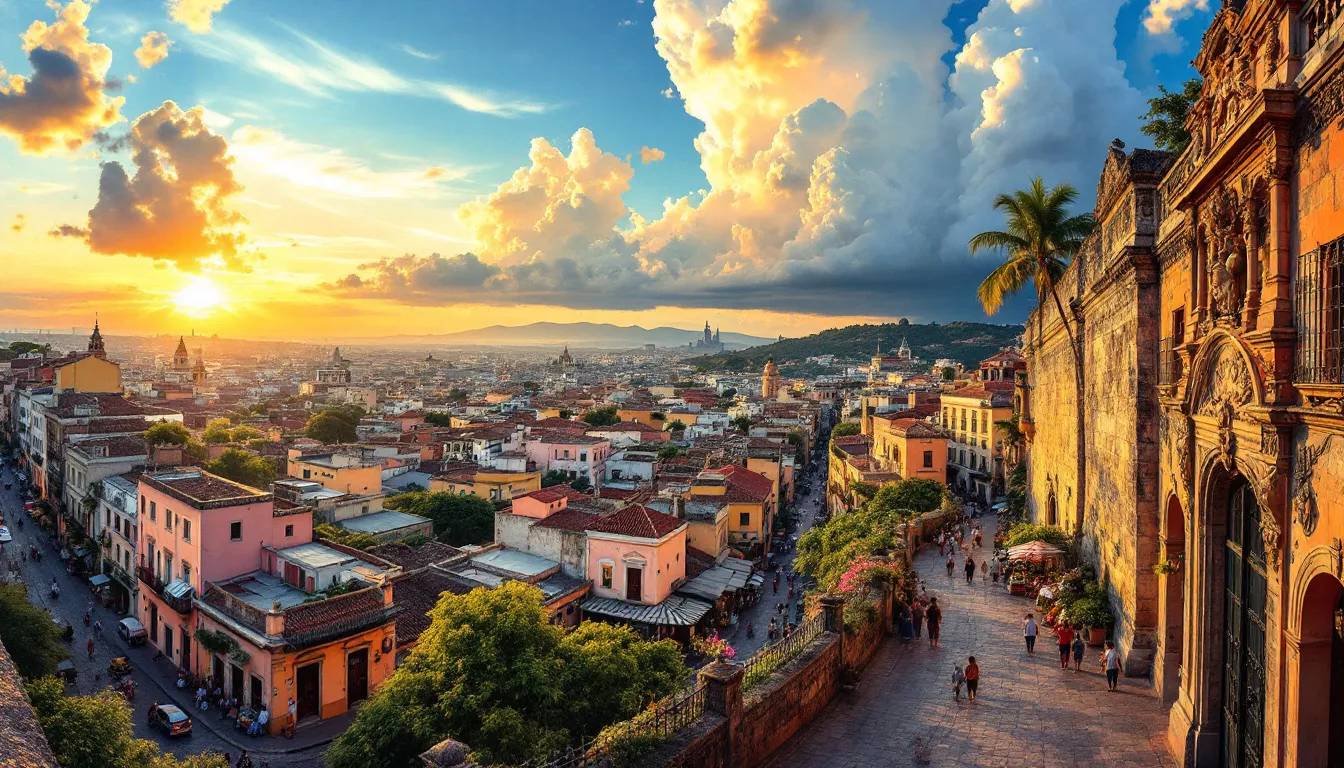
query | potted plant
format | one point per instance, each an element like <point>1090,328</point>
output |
<point>713,647</point>
<point>1095,614</point>
<point>1167,567</point>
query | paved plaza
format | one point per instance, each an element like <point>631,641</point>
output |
<point>1029,712</point>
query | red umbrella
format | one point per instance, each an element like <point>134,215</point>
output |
<point>1034,551</point>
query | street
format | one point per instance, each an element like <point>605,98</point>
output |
<point>150,677</point>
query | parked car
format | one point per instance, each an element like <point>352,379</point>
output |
<point>169,719</point>
<point>132,631</point>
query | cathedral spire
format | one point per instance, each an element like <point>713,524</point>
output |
<point>96,347</point>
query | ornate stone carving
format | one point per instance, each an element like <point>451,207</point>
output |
<point>1321,108</point>
<point>1328,404</point>
<point>1227,436</point>
<point>1269,441</point>
<point>1227,255</point>
<point>1176,448</point>
<point>1261,478</point>
<point>1337,549</point>
<point>1272,46</point>
<point>1228,381</point>
<point>1305,511</point>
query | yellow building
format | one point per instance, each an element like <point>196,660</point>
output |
<point>344,472</point>
<point>86,373</point>
<point>975,454</point>
<point>649,417</point>
<point>750,501</point>
<point>488,484</point>
<point>770,380</point>
<point>908,447</point>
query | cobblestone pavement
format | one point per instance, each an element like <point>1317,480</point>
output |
<point>1029,712</point>
<point>74,600</point>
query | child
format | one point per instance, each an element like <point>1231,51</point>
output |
<point>1078,647</point>
<point>958,679</point>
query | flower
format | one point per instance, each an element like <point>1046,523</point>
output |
<point>714,647</point>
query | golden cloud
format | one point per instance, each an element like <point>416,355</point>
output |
<point>153,49</point>
<point>19,222</point>
<point>650,155</point>
<point>195,15</point>
<point>64,102</point>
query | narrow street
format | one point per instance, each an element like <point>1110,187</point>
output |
<point>149,676</point>
<point>1029,711</point>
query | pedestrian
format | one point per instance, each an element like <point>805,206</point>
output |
<point>244,760</point>
<point>970,569</point>
<point>1064,635</point>
<point>994,569</point>
<point>917,618</point>
<point>951,564</point>
<point>972,674</point>
<point>776,585</point>
<point>907,624</point>
<point>984,571</point>
<point>1078,647</point>
<point>958,678</point>
<point>1110,661</point>
<point>90,647</point>
<point>1029,632</point>
<point>934,618</point>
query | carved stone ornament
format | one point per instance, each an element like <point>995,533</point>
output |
<point>1227,436</point>
<point>1261,478</point>
<point>1176,447</point>
<point>1228,382</point>
<point>1269,441</point>
<point>1226,255</point>
<point>1328,404</point>
<point>1337,549</point>
<point>1273,47</point>
<point>1305,510</point>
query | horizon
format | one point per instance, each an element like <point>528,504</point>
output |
<point>378,171</point>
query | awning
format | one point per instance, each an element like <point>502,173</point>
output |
<point>178,588</point>
<point>100,580</point>
<point>756,580</point>
<point>675,611</point>
<point>1034,551</point>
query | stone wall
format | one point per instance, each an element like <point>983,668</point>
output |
<point>778,708</point>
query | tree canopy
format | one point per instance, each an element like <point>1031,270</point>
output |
<point>458,519</point>
<point>334,425</point>
<point>27,632</point>
<point>242,467</point>
<point>912,496</point>
<point>1165,120</point>
<point>601,417</point>
<point>845,429</point>
<point>167,433</point>
<point>492,672</point>
<point>439,419</point>
<point>218,431</point>
<point>827,551</point>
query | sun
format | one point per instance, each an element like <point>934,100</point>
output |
<point>199,297</point>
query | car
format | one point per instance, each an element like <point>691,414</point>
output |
<point>132,631</point>
<point>5,535</point>
<point>169,719</point>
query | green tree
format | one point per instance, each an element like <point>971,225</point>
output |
<point>742,424</point>
<point>457,519</point>
<point>27,632</point>
<point>914,494</point>
<point>1040,240</point>
<point>439,419</point>
<point>196,451</point>
<point>826,551</point>
<point>329,427</point>
<point>949,373</point>
<point>1165,120</point>
<point>554,477</point>
<point>458,395</point>
<point>728,394</point>
<point>242,467</point>
<point>845,429</point>
<point>244,433</point>
<point>167,433</point>
<point>342,536</point>
<point>601,417</point>
<point>218,431</point>
<point>27,347</point>
<point>492,672</point>
<point>669,451</point>
<point>581,484</point>
<point>798,439</point>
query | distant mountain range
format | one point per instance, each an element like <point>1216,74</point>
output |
<point>602,335</point>
<point>967,343</point>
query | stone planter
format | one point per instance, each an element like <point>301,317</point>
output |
<point>1096,636</point>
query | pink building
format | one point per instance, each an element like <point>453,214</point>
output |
<point>575,455</point>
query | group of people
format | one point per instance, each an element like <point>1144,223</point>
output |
<point>921,612</point>
<point>1069,640</point>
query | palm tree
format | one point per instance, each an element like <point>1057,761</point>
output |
<point>1040,240</point>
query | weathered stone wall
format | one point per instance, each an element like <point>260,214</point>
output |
<point>703,745</point>
<point>778,708</point>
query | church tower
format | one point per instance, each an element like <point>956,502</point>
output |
<point>181,360</point>
<point>904,351</point>
<point>198,370</point>
<point>96,342</point>
<point>770,380</point>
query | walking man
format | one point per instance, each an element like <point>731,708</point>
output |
<point>1029,633</point>
<point>994,570</point>
<point>972,673</point>
<point>951,564</point>
<point>1110,660</point>
<point>917,616</point>
<point>1064,635</point>
<point>970,569</point>
<point>1078,648</point>
<point>934,617</point>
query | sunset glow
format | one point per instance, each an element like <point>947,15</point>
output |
<point>200,297</point>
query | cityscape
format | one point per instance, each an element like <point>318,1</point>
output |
<point>671,384</point>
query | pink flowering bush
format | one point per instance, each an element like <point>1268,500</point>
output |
<point>713,647</point>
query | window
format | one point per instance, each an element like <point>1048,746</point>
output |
<point>289,531</point>
<point>168,519</point>
<point>186,571</point>
<point>142,505</point>
<point>928,459</point>
<point>607,569</point>
<point>583,455</point>
<point>153,513</point>
<point>167,566</point>
<point>744,518</point>
<point>107,517</point>
<point>186,530</point>
<point>236,530</point>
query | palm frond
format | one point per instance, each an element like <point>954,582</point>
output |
<point>997,241</point>
<point>1006,280</point>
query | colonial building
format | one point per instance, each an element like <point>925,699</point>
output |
<point>1208,307</point>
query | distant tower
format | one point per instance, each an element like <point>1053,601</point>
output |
<point>904,351</point>
<point>770,380</point>
<point>709,335</point>
<point>566,359</point>
<point>717,340</point>
<point>336,358</point>
<point>198,370</point>
<point>181,360</point>
<point>96,342</point>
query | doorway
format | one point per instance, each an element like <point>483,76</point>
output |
<point>168,642</point>
<point>1243,689</point>
<point>1320,704</point>
<point>1173,595</point>
<point>258,697</point>
<point>634,583</point>
<point>356,676</point>
<point>235,682</point>
<point>217,671</point>
<point>307,682</point>
<point>153,623</point>
<point>186,650</point>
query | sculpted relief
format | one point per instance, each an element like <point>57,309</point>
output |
<point>1305,459</point>
<point>1227,384</point>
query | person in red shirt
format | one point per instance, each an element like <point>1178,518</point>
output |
<point>1064,635</point>
<point>972,673</point>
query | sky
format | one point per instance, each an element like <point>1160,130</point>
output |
<point>343,168</point>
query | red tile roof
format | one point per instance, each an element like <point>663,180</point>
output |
<point>324,613</point>
<point>639,521</point>
<point>567,520</point>
<point>753,483</point>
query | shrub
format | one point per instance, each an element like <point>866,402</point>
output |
<point>1092,612</point>
<point>1023,533</point>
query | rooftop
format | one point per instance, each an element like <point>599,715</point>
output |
<point>203,490</point>
<point>411,558</point>
<point>638,521</point>
<point>515,561</point>
<point>381,522</point>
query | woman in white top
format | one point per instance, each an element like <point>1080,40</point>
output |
<point>1110,660</point>
<point>1029,632</point>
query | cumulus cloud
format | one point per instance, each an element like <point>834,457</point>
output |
<point>651,155</point>
<point>153,49</point>
<point>64,102</point>
<point>20,221</point>
<point>195,15</point>
<point>848,165</point>
<point>1161,15</point>
<point>177,206</point>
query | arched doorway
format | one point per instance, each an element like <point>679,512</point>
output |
<point>1320,708</point>
<point>1052,510</point>
<point>1243,632</point>
<point>1173,598</point>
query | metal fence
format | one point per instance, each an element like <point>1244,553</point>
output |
<point>776,654</point>
<point>1319,296</point>
<point>658,722</point>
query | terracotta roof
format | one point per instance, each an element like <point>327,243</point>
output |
<point>417,594</point>
<point>639,521</point>
<point>321,614</point>
<point>568,520</point>
<point>753,483</point>
<point>850,440</point>
<point>112,447</point>
<point>202,489</point>
<point>619,494</point>
<point>546,495</point>
<point>1008,355</point>
<point>412,558</point>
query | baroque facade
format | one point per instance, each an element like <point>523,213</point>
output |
<point>1238,450</point>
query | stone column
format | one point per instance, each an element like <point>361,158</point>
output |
<point>1199,282</point>
<point>1276,299</point>
<point>723,696</point>
<point>833,614</point>
<point>1252,302</point>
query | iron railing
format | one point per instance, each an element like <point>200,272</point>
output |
<point>1319,299</point>
<point>775,655</point>
<point>660,721</point>
<point>1169,362</point>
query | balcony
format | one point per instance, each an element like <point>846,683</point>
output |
<point>1169,363</point>
<point>171,594</point>
<point>1320,315</point>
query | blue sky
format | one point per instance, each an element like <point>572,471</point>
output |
<point>445,98</point>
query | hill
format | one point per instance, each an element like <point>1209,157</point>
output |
<point>968,343</point>
<point>575,334</point>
